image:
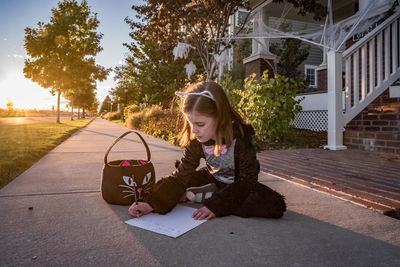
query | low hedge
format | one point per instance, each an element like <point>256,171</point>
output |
<point>163,123</point>
<point>117,115</point>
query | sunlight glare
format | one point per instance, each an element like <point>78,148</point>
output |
<point>26,94</point>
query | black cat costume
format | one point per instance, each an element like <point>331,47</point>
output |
<point>235,172</point>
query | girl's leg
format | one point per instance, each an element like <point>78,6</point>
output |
<point>247,199</point>
<point>201,186</point>
<point>262,201</point>
<point>168,191</point>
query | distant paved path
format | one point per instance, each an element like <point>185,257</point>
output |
<point>28,120</point>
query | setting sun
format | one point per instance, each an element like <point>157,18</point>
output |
<point>23,92</point>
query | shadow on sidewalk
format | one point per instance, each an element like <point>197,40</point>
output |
<point>296,239</point>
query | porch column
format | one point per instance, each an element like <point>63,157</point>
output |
<point>335,112</point>
<point>256,30</point>
<point>261,59</point>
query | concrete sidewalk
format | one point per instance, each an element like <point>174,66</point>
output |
<point>70,224</point>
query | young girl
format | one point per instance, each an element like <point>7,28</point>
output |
<point>216,132</point>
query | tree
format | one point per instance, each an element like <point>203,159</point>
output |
<point>242,49</point>
<point>308,6</point>
<point>202,23</point>
<point>62,51</point>
<point>10,105</point>
<point>292,53</point>
<point>83,98</point>
<point>82,92</point>
<point>104,105</point>
<point>94,107</point>
<point>85,101</point>
<point>150,74</point>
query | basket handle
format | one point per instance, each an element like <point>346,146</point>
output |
<point>122,136</point>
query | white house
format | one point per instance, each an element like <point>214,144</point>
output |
<point>357,68</point>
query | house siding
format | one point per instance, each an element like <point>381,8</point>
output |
<point>315,56</point>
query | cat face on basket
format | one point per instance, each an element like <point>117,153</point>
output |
<point>141,184</point>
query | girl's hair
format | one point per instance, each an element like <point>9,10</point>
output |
<point>216,106</point>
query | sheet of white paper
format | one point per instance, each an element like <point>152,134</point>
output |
<point>173,224</point>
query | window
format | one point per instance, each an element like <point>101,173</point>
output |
<point>239,18</point>
<point>311,75</point>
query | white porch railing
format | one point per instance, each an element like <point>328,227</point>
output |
<point>371,66</point>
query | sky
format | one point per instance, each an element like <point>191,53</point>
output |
<point>16,15</point>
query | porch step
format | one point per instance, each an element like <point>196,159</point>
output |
<point>394,91</point>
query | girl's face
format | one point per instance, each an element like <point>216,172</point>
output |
<point>203,127</point>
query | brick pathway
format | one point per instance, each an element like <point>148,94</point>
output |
<point>368,179</point>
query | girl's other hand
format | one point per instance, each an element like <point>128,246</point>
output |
<point>203,213</point>
<point>140,209</point>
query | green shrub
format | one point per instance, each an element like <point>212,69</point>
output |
<point>154,111</point>
<point>112,116</point>
<point>134,120</point>
<point>131,109</point>
<point>269,105</point>
<point>163,123</point>
<point>231,89</point>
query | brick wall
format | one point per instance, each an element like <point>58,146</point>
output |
<point>258,66</point>
<point>377,127</point>
<point>322,80</point>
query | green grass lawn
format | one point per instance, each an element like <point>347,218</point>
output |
<point>22,145</point>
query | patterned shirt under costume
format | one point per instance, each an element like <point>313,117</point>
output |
<point>223,166</point>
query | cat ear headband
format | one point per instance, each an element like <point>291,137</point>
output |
<point>205,93</point>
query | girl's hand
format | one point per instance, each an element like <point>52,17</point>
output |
<point>140,209</point>
<point>203,213</point>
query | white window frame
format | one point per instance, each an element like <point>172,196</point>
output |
<point>313,67</point>
<point>236,22</point>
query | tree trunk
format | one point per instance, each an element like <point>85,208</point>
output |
<point>72,110</point>
<point>83,113</point>
<point>58,106</point>
<point>79,113</point>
